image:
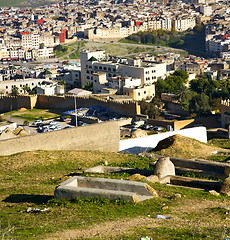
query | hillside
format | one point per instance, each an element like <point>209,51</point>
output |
<point>25,3</point>
<point>28,181</point>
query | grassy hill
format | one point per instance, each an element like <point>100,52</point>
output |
<point>25,3</point>
<point>28,181</point>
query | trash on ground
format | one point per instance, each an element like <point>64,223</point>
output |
<point>35,210</point>
<point>161,216</point>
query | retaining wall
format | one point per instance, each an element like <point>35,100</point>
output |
<point>102,136</point>
<point>138,145</point>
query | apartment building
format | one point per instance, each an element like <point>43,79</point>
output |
<point>147,71</point>
<point>7,86</point>
<point>183,24</point>
<point>31,41</point>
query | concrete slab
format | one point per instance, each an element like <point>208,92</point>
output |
<point>87,187</point>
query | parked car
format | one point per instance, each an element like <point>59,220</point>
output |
<point>52,127</point>
<point>57,127</point>
<point>35,123</point>
<point>157,128</point>
<point>52,122</point>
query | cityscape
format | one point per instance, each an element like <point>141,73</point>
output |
<point>115,119</point>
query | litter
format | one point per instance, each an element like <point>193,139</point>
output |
<point>35,210</point>
<point>145,238</point>
<point>161,216</point>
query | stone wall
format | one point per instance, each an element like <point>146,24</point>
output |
<point>129,108</point>
<point>175,124</point>
<point>102,136</point>
<point>66,102</point>
<point>22,101</point>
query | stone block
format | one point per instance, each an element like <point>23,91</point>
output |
<point>164,167</point>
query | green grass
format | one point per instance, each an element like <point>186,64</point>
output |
<point>34,114</point>
<point>29,179</point>
<point>33,3</point>
<point>219,142</point>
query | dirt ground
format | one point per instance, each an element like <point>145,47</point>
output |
<point>126,226</point>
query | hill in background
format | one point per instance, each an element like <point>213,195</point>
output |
<point>25,3</point>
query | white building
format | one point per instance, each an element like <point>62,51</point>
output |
<point>7,86</point>
<point>31,41</point>
<point>182,24</point>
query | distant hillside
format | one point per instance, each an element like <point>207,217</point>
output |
<point>25,3</point>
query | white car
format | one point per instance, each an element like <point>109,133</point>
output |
<point>37,122</point>
<point>57,127</point>
<point>52,123</point>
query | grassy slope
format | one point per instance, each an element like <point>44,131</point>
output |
<point>24,3</point>
<point>28,180</point>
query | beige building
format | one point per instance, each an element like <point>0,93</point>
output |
<point>140,93</point>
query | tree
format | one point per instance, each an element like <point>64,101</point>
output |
<point>41,45</point>
<point>15,91</point>
<point>26,89</point>
<point>150,109</point>
<point>88,86</point>
<point>61,82</point>
<point>200,104</point>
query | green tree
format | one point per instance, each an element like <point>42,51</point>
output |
<point>26,89</point>
<point>150,109</point>
<point>15,91</point>
<point>41,45</point>
<point>88,86</point>
<point>61,82</point>
<point>200,104</point>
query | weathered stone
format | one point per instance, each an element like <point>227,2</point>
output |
<point>213,192</point>
<point>225,188</point>
<point>152,178</point>
<point>136,177</point>
<point>164,207</point>
<point>177,195</point>
<point>112,189</point>
<point>164,167</point>
<point>227,171</point>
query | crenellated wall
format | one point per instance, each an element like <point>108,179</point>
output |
<point>66,102</point>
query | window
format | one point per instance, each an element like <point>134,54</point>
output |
<point>100,67</point>
<point>138,94</point>
<point>87,77</point>
<point>105,68</point>
<point>144,92</point>
<point>109,69</point>
<point>6,87</point>
<point>87,71</point>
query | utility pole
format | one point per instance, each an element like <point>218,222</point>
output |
<point>75,109</point>
<point>10,113</point>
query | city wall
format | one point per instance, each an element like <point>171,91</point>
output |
<point>66,102</point>
<point>89,137</point>
<point>22,101</point>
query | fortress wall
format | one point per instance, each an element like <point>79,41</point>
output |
<point>22,101</point>
<point>66,102</point>
<point>102,136</point>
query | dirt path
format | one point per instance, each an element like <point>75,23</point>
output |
<point>127,226</point>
